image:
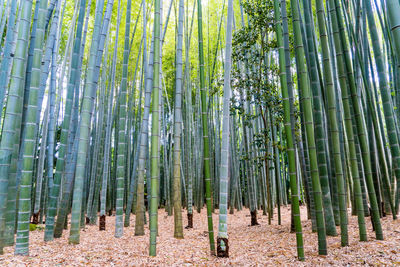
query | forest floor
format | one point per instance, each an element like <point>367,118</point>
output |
<point>249,245</point>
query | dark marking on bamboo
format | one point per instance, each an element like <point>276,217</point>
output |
<point>190,221</point>
<point>372,221</point>
<point>35,217</point>
<point>254,218</point>
<point>383,209</point>
<point>223,253</point>
<point>102,223</point>
<point>292,227</point>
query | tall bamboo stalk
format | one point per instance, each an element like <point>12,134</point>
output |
<point>121,150</point>
<point>204,118</point>
<point>155,131</point>
<point>303,84</point>
<point>97,47</point>
<point>222,239</point>
<point>288,133</point>
<point>178,229</point>
<point>24,203</point>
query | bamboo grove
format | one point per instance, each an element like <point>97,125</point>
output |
<point>120,109</point>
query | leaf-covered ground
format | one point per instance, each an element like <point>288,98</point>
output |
<point>249,246</point>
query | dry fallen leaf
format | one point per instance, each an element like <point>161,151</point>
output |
<point>262,245</point>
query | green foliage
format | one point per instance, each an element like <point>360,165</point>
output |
<point>255,74</point>
<point>32,227</point>
<point>35,227</point>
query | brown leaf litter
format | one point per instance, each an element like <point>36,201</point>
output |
<point>249,245</point>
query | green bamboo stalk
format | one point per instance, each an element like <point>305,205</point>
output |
<point>360,128</point>
<point>155,132</point>
<point>131,201</point>
<point>204,117</point>
<point>309,125</point>
<point>178,229</point>
<point>392,7</point>
<point>24,203</point>
<point>107,144</point>
<point>222,239</point>
<point>333,122</point>
<point>97,47</point>
<point>60,165</point>
<point>319,128</point>
<point>40,166</point>
<point>288,133</point>
<point>188,132</point>
<point>121,168</point>
<point>386,98</point>
<point>143,150</point>
<point>9,45</point>
<point>348,126</point>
